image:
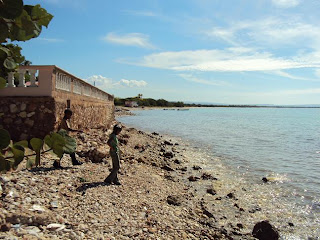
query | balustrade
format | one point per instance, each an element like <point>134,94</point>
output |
<point>44,80</point>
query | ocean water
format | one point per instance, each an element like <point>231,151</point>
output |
<point>280,143</point>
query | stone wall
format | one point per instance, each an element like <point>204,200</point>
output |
<point>27,117</point>
<point>87,112</point>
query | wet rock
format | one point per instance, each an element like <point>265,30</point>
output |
<point>291,224</point>
<point>265,179</point>
<point>23,107</point>
<point>193,178</point>
<point>196,167</point>
<point>155,134</point>
<point>208,176</point>
<point>174,200</point>
<point>211,191</point>
<point>265,231</point>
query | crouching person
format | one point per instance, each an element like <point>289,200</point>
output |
<point>64,124</point>
<point>114,153</point>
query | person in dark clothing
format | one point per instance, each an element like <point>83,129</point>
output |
<point>114,153</point>
<point>65,124</point>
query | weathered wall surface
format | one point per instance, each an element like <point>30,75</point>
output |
<point>87,112</point>
<point>27,117</point>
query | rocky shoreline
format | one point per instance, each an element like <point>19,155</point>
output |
<point>163,195</point>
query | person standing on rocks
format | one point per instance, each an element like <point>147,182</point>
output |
<point>64,124</point>
<point>114,153</point>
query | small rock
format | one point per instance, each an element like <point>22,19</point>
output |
<point>193,178</point>
<point>211,191</point>
<point>177,161</point>
<point>54,204</point>
<point>196,167</point>
<point>167,143</point>
<point>30,114</point>
<point>265,179</point>
<point>167,168</point>
<point>168,155</point>
<point>5,227</point>
<point>23,114</point>
<point>23,107</point>
<point>265,231</point>
<point>7,120</point>
<point>37,208</point>
<point>174,200</point>
<point>230,195</point>
<point>56,227</point>
<point>29,122</point>
<point>291,224</point>
<point>13,108</point>
<point>208,176</point>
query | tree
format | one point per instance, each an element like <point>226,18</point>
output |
<point>18,22</point>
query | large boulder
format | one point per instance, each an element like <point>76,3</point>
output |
<point>265,231</point>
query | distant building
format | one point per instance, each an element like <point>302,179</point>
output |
<point>131,104</point>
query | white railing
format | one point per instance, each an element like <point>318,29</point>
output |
<point>63,81</point>
<point>45,80</point>
<point>77,87</point>
<point>22,78</point>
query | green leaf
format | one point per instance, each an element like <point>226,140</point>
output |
<point>36,144</point>
<point>31,161</point>
<point>48,140</point>
<point>4,31</point>
<point>70,144</point>
<point>18,154</point>
<point>24,28</point>
<point>3,83</point>
<point>11,9</point>
<point>56,142</point>
<point>23,143</point>
<point>4,165</point>
<point>9,63</point>
<point>40,15</point>
<point>4,139</point>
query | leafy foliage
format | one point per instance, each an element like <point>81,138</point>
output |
<point>12,154</point>
<point>18,22</point>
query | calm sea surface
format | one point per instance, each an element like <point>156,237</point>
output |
<point>256,142</point>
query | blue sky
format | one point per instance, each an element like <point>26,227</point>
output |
<point>220,51</point>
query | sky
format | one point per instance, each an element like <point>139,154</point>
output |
<point>217,51</point>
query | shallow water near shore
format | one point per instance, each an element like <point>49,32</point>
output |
<point>246,144</point>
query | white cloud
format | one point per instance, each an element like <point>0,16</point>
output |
<point>227,60</point>
<point>53,40</point>
<point>132,83</point>
<point>288,75</point>
<point>269,32</point>
<point>130,39</point>
<point>191,78</point>
<point>107,83</point>
<point>286,3</point>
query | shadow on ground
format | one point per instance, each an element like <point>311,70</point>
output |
<point>83,188</point>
